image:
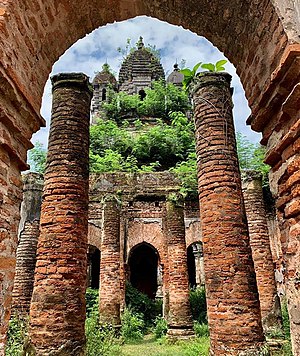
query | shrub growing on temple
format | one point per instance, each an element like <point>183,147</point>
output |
<point>151,148</point>
<point>159,101</point>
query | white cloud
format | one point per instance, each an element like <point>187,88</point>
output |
<point>89,53</point>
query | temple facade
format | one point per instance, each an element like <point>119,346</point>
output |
<point>140,229</point>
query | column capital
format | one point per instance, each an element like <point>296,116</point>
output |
<point>249,175</point>
<point>71,80</point>
<point>205,79</point>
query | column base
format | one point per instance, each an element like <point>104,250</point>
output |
<point>69,348</point>
<point>175,333</point>
<point>261,349</point>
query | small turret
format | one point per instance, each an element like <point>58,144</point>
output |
<point>101,83</point>
<point>176,77</point>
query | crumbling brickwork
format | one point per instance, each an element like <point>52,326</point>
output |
<point>10,200</point>
<point>261,251</point>
<point>29,231</point>
<point>58,300</point>
<point>232,297</point>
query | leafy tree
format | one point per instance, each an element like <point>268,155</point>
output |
<point>165,144</point>
<point>218,67</point>
<point>189,75</point>
<point>251,157</point>
<point>37,158</point>
<point>121,105</point>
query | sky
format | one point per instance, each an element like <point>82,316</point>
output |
<point>88,55</point>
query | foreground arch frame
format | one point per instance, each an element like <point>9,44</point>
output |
<point>260,39</point>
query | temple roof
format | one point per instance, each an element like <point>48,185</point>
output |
<point>105,76</point>
<point>175,77</point>
<point>141,63</point>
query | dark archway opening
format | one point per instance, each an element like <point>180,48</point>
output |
<point>195,264</point>
<point>93,267</point>
<point>143,262</point>
<point>191,266</point>
<point>103,94</point>
<point>142,94</point>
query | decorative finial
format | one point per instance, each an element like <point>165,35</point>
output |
<point>105,67</point>
<point>140,43</point>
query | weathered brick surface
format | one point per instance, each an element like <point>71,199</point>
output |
<point>283,155</point>
<point>28,238</point>
<point>10,200</point>
<point>180,317</point>
<point>57,311</point>
<point>110,291</point>
<point>261,251</point>
<point>232,297</point>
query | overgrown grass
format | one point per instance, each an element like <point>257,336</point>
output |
<point>132,327</point>
<point>150,347</point>
<point>100,339</point>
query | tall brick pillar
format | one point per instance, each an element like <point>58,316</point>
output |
<point>232,296</point>
<point>261,251</point>
<point>110,287</point>
<point>180,323</point>
<point>57,311</point>
<point>29,231</point>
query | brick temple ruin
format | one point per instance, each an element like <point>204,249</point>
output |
<point>262,40</point>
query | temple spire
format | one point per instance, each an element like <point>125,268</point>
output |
<point>140,43</point>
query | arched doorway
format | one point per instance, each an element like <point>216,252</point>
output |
<point>195,264</point>
<point>93,267</point>
<point>143,266</point>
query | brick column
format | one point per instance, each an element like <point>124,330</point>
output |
<point>261,251</point>
<point>29,231</point>
<point>180,323</point>
<point>57,311</point>
<point>232,297</point>
<point>110,287</point>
